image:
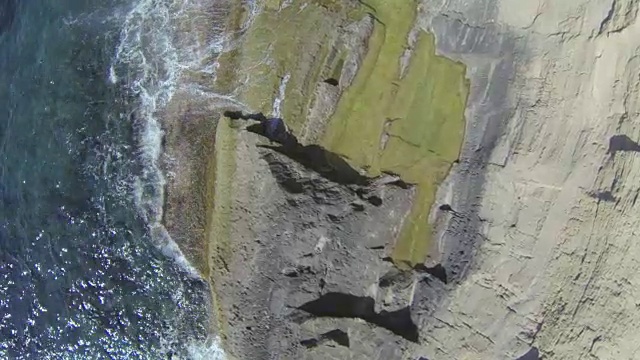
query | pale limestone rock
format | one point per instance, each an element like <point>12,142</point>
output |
<point>557,266</point>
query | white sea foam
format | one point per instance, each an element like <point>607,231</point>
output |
<point>209,350</point>
<point>150,59</point>
<point>159,43</point>
<point>277,102</point>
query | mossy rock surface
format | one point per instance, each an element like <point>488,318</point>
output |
<point>405,122</point>
<point>408,124</point>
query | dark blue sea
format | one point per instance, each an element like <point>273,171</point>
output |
<point>83,274</point>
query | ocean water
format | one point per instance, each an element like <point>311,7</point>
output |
<point>86,269</point>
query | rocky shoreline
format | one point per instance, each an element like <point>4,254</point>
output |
<point>298,259</point>
<point>300,262</point>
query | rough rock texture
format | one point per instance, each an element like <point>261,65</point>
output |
<point>545,192</point>
<point>310,264</point>
<point>536,222</point>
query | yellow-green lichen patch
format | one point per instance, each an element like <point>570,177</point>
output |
<point>220,172</point>
<point>227,71</point>
<point>281,40</point>
<point>363,106</point>
<point>219,179</point>
<point>293,41</point>
<point>411,125</point>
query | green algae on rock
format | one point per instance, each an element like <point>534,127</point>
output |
<point>410,125</point>
<point>279,41</point>
<point>362,81</point>
<point>405,122</point>
<point>288,41</point>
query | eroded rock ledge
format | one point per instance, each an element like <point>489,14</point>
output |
<point>525,263</point>
<point>316,247</point>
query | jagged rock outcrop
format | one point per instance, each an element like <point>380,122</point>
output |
<point>536,255</point>
<point>310,252</point>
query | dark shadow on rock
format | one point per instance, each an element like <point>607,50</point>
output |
<point>8,10</point>
<point>395,277</point>
<point>438,271</point>
<point>340,305</point>
<point>332,81</point>
<point>313,157</point>
<point>286,177</point>
<point>326,163</point>
<point>622,143</point>
<point>338,336</point>
<point>532,354</point>
<point>239,115</point>
<point>316,158</point>
<point>606,196</point>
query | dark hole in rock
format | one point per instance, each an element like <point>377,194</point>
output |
<point>293,202</point>
<point>438,271</point>
<point>235,115</point>
<point>445,207</point>
<point>401,184</point>
<point>375,200</point>
<point>398,181</point>
<point>331,81</point>
<point>342,305</point>
<point>290,272</point>
<point>337,335</point>
<point>532,354</point>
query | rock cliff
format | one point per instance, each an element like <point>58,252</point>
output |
<point>342,249</point>
<point>553,89</point>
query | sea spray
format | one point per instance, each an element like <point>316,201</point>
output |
<point>155,54</point>
<point>79,276</point>
<point>150,60</point>
<point>277,102</point>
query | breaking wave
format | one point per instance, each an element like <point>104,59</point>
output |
<point>149,61</point>
<point>162,41</point>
